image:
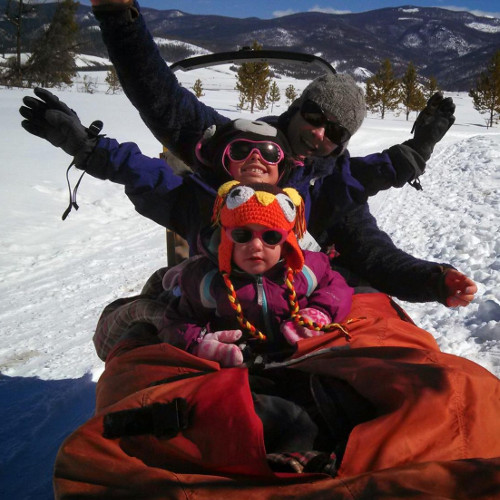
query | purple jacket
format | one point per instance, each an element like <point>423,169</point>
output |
<point>204,302</point>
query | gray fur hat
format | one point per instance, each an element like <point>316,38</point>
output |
<point>340,96</point>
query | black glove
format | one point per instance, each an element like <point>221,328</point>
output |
<point>431,125</point>
<point>50,119</point>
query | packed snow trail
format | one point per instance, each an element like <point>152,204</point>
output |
<point>453,224</point>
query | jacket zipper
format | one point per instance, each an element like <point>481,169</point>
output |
<point>262,301</point>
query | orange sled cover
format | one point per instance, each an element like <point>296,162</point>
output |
<point>436,434</point>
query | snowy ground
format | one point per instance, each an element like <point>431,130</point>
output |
<point>57,276</point>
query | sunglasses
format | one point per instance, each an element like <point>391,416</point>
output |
<point>314,115</point>
<point>270,237</point>
<point>241,149</point>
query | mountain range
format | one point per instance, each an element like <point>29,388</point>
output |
<point>452,46</point>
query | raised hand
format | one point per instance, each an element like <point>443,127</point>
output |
<point>51,119</point>
<point>431,124</point>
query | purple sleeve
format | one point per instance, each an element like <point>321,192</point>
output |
<point>332,294</point>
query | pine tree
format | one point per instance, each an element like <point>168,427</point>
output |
<point>412,96</point>
<point>274,94</point>
<point>290,94</point>
<point>113,81</point>
<point>486,94</point>
<point>15,16</point>
<point>382,90</point>
<point>52,62</point>
<point>253,83</point>
<point>431,87</point>
<point>198,88</point>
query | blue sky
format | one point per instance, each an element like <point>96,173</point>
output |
<point>267,9</point>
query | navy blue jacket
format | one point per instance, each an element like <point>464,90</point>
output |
<point>336,207</point>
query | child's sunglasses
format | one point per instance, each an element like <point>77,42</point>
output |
<point>241,149</point>
<point>270,237</point>
<point>314,115</point>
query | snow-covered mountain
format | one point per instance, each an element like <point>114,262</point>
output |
<point>449,45</point>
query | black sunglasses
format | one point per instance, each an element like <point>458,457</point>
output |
<point>270,237</point>
<point>314,115</point>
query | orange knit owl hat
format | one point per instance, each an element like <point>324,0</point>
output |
<point>266,204</point>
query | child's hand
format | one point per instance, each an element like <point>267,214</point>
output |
<point>220,347</point>
<point>293,332</point>
<point>459,287</point>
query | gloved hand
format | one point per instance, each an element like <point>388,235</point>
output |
<point>220,347</point>
<point>431,124</point>
<point>460,289</point>
<point>51,119</point>
<point>293,332</point>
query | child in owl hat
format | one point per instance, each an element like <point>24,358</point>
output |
<point>263,287</point>
<point>263,292</point>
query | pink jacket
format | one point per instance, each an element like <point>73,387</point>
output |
<point>204,303</point>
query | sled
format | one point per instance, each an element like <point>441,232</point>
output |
<point>247,54</point>
<point>171,425</point>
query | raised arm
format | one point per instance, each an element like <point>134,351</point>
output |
<point>406,162</point>
<point>173,113</point>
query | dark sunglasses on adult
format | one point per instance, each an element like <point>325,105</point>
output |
<point>314,115</point>
<point>241,149</point>
<point>269,237</point>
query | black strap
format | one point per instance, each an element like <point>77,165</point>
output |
<point>415,183</point>
<point>93,131</point>
<point>72,193</point>
<point>163,420</point>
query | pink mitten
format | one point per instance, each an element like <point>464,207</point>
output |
<point>293,332</point>
<point>220,347</point>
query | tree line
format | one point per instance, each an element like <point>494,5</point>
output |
<point>52,64</point>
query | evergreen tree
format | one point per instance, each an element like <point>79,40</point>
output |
<point>198,88</point>
<point>412,96</point>
<point>382,90</point>
<point>431,87</point>
<point>486,94</point>
<point>290,94</point>
<point>52,62</point>
<point>113,81</point>
<point>253,83</point>
<point>15,14</point>
<point>274,94</point>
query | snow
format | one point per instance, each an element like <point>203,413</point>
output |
<point>487,28</point>
<point>84,61</point>
<point>176,43</point>
<point>409,11</point>
<point>57,276</point>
